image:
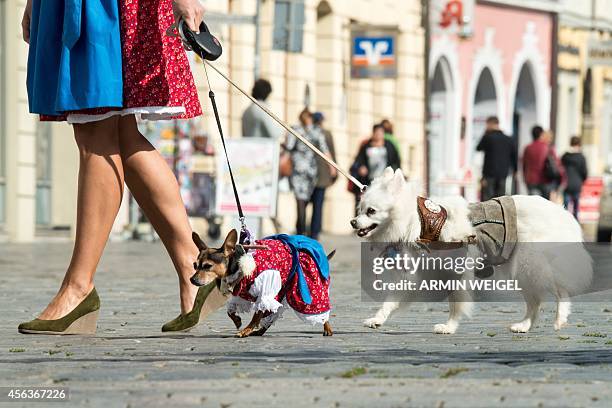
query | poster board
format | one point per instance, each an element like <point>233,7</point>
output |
<point>255,165</point>
<point>590,198</point>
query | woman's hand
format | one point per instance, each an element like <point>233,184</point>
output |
<point>363,171</point>
<point>191,11</point>
<point>25,22</point>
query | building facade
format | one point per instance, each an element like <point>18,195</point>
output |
<point>303,48</point>
<point>585,83</point>
<point>481,66</point>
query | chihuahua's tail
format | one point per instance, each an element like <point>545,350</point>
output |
<point>331,255</point>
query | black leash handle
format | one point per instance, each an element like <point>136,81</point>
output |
<point>211,95</point>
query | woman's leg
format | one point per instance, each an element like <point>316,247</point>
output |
<point>300,226</point>
<point>99,195</point>
<point>317,199</point>
<point>155,188</point>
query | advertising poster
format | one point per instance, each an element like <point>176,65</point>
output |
<point>255,165</point>
<point>590,198</point>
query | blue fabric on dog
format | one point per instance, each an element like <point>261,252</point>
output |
<point>75,58</point>
<point>300,243</point>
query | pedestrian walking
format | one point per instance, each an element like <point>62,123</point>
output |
<point>373,157</point>
<point>390,135</point>
<point>500,160</point>
<point>86,65</point>
<point>324,178</point>
<point>255,122</point>
<point>303,179</point>
<point>541,166</point>
<point>576,172</point>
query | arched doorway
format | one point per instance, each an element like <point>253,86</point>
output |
<point>485,104</point>
<point>524,116</point>
<point>442,114</point>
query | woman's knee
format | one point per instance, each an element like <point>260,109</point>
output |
<point>100,137</point>
<point>130,139</point>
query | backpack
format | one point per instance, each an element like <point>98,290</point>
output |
<point>551,168</point>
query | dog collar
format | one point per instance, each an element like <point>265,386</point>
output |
<point>432,216</point>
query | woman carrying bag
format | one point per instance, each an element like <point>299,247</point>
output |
<point>303,178</point>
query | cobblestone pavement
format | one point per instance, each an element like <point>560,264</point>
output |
<point>129,363</point>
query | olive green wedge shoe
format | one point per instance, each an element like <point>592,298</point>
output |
<point>208,299</point>
<point>82,320</point>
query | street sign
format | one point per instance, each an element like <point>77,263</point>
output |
<point>374,53</point>
<point>254,162</point>
<point>452,17</point>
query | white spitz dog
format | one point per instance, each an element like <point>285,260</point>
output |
<point>387,212</point>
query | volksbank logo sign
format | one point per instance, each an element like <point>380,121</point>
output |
<point>373,51</point>
<point>373,55</point>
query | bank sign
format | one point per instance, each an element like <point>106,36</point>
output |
<point>373,54</point>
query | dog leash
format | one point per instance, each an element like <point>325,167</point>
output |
<point>290,129</point>
<point>209,49</point>
<point>245,235</point>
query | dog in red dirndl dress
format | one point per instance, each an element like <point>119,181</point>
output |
<point>266,281</point>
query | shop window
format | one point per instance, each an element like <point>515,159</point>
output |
<point>43,174</point>
<point>289,21</point>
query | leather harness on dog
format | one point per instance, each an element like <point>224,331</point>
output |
<point>432,216</point>
<point>494,223</point>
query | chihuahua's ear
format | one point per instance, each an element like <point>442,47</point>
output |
<point>229,245</point>
<point>198,241</point>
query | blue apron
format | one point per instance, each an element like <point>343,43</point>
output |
<point>74,60</point>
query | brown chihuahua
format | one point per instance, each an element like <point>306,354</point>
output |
<point>231,265</point>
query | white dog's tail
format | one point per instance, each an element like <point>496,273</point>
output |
<point>572,269</point>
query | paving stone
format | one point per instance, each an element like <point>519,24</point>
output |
<point>131,363</point>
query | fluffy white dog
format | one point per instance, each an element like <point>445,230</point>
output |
<point>387,212</point>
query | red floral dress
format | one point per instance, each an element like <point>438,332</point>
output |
<point>278,261</point>
<point>157,79</point>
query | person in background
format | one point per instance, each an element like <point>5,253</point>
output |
<point>373,157</point>
<point>559,178</point>
<point>303,179</point>
<point>500,159</point>
<point>576,172</point>
<point>389,135</point>
<point>534,162</point>
<point>255,122</point>
<point>324,178</point>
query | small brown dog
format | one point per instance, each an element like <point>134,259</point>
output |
<point>265,281</point>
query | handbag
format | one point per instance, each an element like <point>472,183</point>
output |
<point>285,164</point>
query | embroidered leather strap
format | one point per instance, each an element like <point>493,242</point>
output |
<point>432,216</point>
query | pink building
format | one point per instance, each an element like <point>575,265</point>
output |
<point>486,59</point>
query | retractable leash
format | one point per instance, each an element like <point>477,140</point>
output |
<point>209,49</point>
